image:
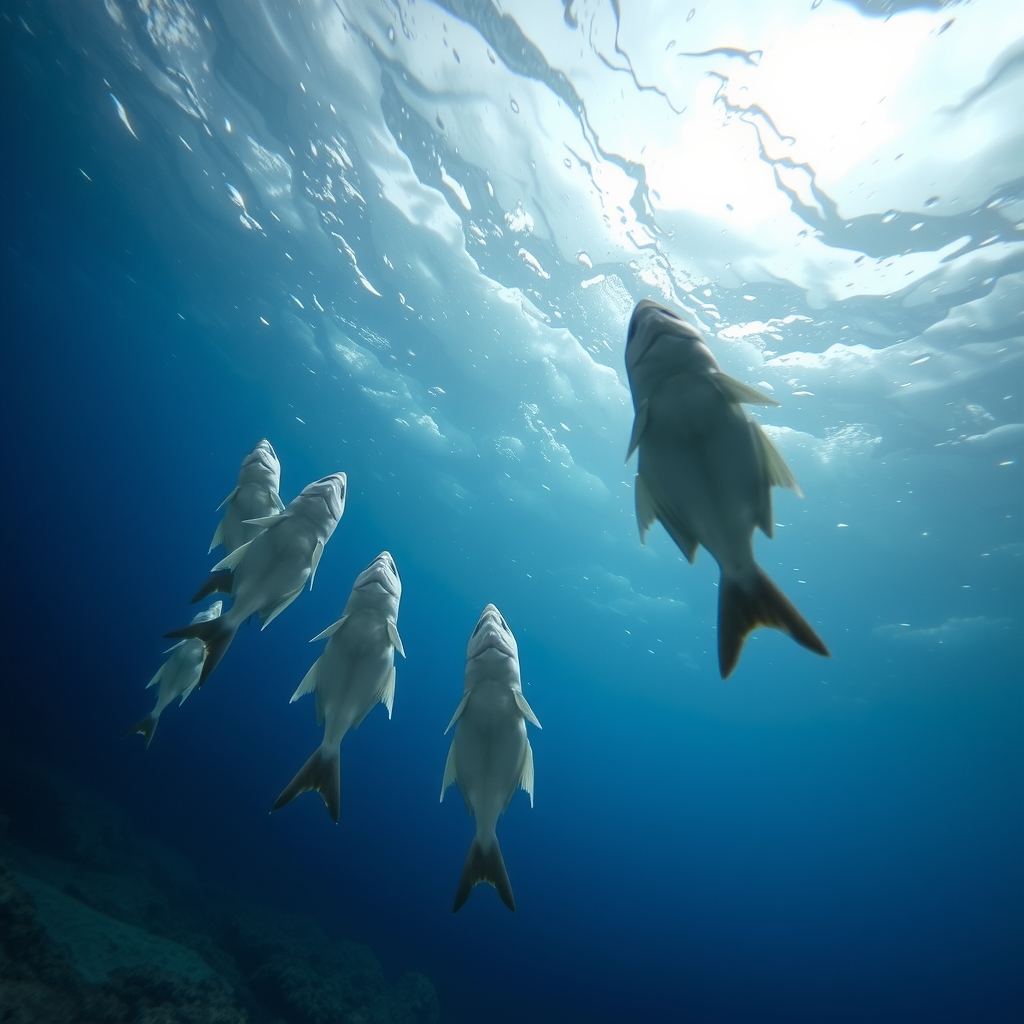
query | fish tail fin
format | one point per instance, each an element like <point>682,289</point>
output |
<point>484,866</point>
<point>217,582</point>
<point>321,772</point>
<point>144,727</point>
<point>216,636</point>
<point>743,606</point>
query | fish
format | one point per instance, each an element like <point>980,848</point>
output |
<point>355,672</point>
<point>176,677</point>
<point>705,470</point>
<point>255,497</point>
<point>267,573</point>
<point>490,754</point>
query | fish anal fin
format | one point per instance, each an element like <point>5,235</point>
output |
<point>330,630</point>
<point>525,710</point>
<point>645,510</point>
<point>232,559</point>
<point>267,521</point>
<point>275,500</point>
<point>160,670</point>
<point>742,607</point>
<point>322,773</point>
<point>216,582</point>
<point>449,771</point>
<point>387,692</point>
<point>526,778</point>
<point>776,470</point>
<point>308,684</point>
<point>459,709</point>
<point>317,554</point>
<point>738,392</point>
<point>396,640</point>
<point>218,536</point>
<point>484,866</point>
<point>268,616</point>
<point>639,426</point>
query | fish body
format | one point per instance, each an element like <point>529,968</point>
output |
<point>255,497</point>
<point>490,754</point>
<point>177,677</point>
<point>705,470</point>
<point>267,573</point>
<point>355,672</point>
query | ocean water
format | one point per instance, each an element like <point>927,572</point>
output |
<point>403,240</point>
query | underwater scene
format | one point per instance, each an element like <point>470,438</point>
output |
<point>514,511</point>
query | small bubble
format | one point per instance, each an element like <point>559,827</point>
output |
<point>391,34</point>
<point>890,217</point>
<point>515,106</point>
<point>693,11</point>
<point>931,200</point>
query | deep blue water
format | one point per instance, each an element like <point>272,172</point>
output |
<point>811,840</point>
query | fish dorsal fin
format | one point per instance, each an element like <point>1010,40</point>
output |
<point>232,560</point>
<point>160,670</point>
<point>779,474</point>
<point>459,710</point>
<point>308,684</point>
<point>268,616</point>
<point>227,499</point>
<point>330,630</point>
<point>267,521</point>
<point>645,510</point>
<point>396,640</point>
<point>738,392</point>
<point>639,426</point>
<point>386,694</point>
<point>276,501</point>
<point>218,537</point>
<point>525,709</point>
<point>317,554</point>
<point>449,771</point>
<point>526,778</point>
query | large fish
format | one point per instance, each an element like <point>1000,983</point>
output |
<point>177,676</point>
<point>490,754</point>
<point>356,670</point>
<point>255,497</point>
<point>266,574</point>
<point>706,470</point>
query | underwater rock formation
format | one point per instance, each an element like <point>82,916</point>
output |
<point>99,927</point>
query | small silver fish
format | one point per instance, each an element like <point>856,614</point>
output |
<point>490,754</point>
<point>355,672</point>
<point>706,470</point>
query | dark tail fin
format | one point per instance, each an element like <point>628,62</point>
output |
<point>742,608</point>
<point>218,582</point>
<point>216,635</point>
<point>146,726</point>
<point>321,772</point>
<point>484,866</point>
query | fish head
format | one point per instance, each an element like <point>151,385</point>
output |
<point>380,577</point>
<point>262,465</point>
<point>322,501</point>
<point>492,640</point>
<point>660,344</point>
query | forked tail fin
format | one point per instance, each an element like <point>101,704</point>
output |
<point>484,866</point>
<point>146,727</point>
<point>321,772</point>
<point>744,607</point>
<point>216,636</point>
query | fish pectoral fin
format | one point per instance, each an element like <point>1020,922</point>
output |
<point>218,537</point>
<point>639,426</point>
<point>738,392</point>
<point>188,689</point>
<point>525,710</point>
<point>267,521</point>
<point>396,640</point>
<point>646,512</point>
<point>778,473</point>
<point>459,710</point>
<point>308,684</point>
<point>317,553</point>
<point>268,616</point>
<point>526,778</point>
<point>232,560</point>
<point>227,499</point>
<point>449,771</point>
<point>330,630</point>
<point>386,694</point>
<point>275,500</point>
